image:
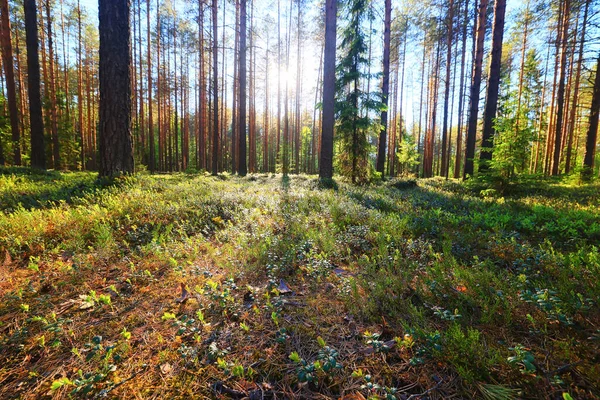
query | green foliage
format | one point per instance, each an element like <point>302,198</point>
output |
<point>353,104</point>
<point>516,124</point>
<point>457,277</point>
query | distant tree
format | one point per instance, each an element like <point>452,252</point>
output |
<point>328,119</point>
<point>9,75</point>
<point>38,154</point>
<point>116,144</point>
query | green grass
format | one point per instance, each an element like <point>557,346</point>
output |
<point>402,288</point>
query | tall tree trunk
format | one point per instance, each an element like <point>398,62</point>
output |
<point>215,86</point>
<point>385,88</point>
<point>493,86</point>
<point>234,113</point>
<point>242,166</point>
<point>522,69</point>
<point>151,151</point>
<point>313,152</point>
<point>278,144</point>
<point>429,147</point>
<point>52,92</point>
<point>201,161</point>
<point>142,127</point>
<point>82,138</point>
<point>592,133</point>
<point>450,35</point>
<point>38,154</point>
<point>116,144</point>
<point>266,116</point>
<point>474,91</point>
<point>286,115</point>
<point>326,156</point>
<point>461,93</point>
<point>9,75</point>
<point>560,95</point>
<point>252,111</point>
<point>576,89</point>
<point>298,130</point>
<point>159,116</point>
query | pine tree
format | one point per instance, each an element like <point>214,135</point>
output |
<point>328,119</point>
<point>38,155</point>
<point>116,144</point>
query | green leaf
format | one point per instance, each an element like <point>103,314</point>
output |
<point>321,341</point>
<point>167,316</point>
<point>295,357</point>
<point>60,383</point>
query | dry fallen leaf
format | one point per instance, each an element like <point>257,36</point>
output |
<point>185,295</point>
<point>166,368</point>
<point>283,287</point>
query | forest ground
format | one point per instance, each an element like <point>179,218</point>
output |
<point>191,286</point>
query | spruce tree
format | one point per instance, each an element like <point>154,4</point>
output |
<point>353,105</point>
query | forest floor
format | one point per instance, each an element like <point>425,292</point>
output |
<point>191,286</point>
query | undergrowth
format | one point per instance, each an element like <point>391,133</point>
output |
<point>189,286</point>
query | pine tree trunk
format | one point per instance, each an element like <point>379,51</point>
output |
<point>116,144</point>
<point>242,166</point>
<point>592,133</point>
<point>278,144</point>
<point>215,86</point>
<point>9,75</point>
<point>266,116</point>
<point>298,129</point>
<point>326,156</point>
<point>252,93</point>
<point>474,91</point>
<point>385,88</point>
<point>493,86</point>
<point>38,154</point>
<point>151,151</point>
<point>573,115</point>
<point>461,95</point>
<point>449,37</point>
<point>560,95</point>
<point>52,93</point>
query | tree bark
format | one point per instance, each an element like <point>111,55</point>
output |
<point>326,156</point>
<point>215,86</point>
<point>385,88</point>
<point>560,95</point>
<point>9,75</point>
<point>450,29</point>
<point>242,166</point>
<point>116,145</point>
<point>493,86</point>
<point>592,134</point>
<point>38,154</point>
<point>576,89</point>
<point>474,90</point>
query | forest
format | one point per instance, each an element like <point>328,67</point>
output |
<point>303,199</point>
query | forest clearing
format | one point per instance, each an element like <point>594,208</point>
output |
<point>192,286</point>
